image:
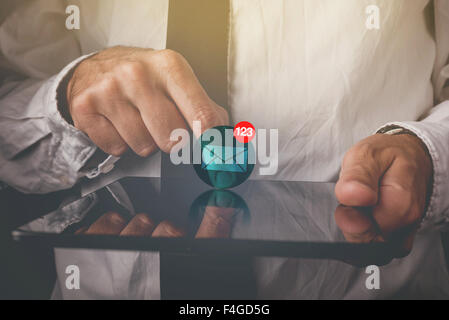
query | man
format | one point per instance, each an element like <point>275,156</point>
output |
<point>311,69</point>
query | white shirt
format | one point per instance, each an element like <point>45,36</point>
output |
<point>309,68</point>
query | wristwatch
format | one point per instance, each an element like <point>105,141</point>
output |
<point>394,130</point>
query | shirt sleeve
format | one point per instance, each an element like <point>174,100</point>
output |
<point>434,132</point>
<point>39,151</point>
<point>441,68</point>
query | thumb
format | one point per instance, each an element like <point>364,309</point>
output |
<point>360,174</point>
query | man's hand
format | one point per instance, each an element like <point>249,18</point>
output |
<point>384,187</point>
<point>129,97</point>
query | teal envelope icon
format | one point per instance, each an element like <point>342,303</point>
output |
<point>220,158</point>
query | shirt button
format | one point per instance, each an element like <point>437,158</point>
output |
<point>108,168</point>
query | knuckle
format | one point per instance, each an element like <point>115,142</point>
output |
<point>132,69</point>
<point>171,56</point>
<point>146,151</point>
<point>361,159</point>
<point>109,85</point>
<point>206,116</point>
<point>348,156</point>
<point>364,150</point>
<point>82,104</point>
<point>223,114</point>
<point>170,61</point>
<point>167,145</point>
<point>393,150</point>
<point>116,150</point>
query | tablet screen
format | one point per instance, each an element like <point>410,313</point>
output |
<point>267,218</point>
<point>257,210</point>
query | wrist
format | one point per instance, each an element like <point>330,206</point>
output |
<point>62,97</point>
<point>396,130</point>
<point>63,89</point>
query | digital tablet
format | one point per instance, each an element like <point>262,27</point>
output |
<point>186,216</point>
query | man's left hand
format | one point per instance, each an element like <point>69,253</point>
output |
<point>384,188</point>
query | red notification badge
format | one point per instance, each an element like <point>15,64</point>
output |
<point>244,132</point>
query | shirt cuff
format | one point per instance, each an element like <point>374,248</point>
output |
<point>76,146</point>
<point>435,135</point>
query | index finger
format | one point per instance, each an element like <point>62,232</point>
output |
<point>184,88</point>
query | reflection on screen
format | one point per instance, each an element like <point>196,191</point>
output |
<point>176,208</point>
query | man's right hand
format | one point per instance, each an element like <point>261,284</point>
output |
<point>130,97</point>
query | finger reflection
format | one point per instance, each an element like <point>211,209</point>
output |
<point>217,223</point>
<point>213,214</point>
<point>167,229</point>
<point>111,223</point>
<point>140,225</point>
<point>359,226</point>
